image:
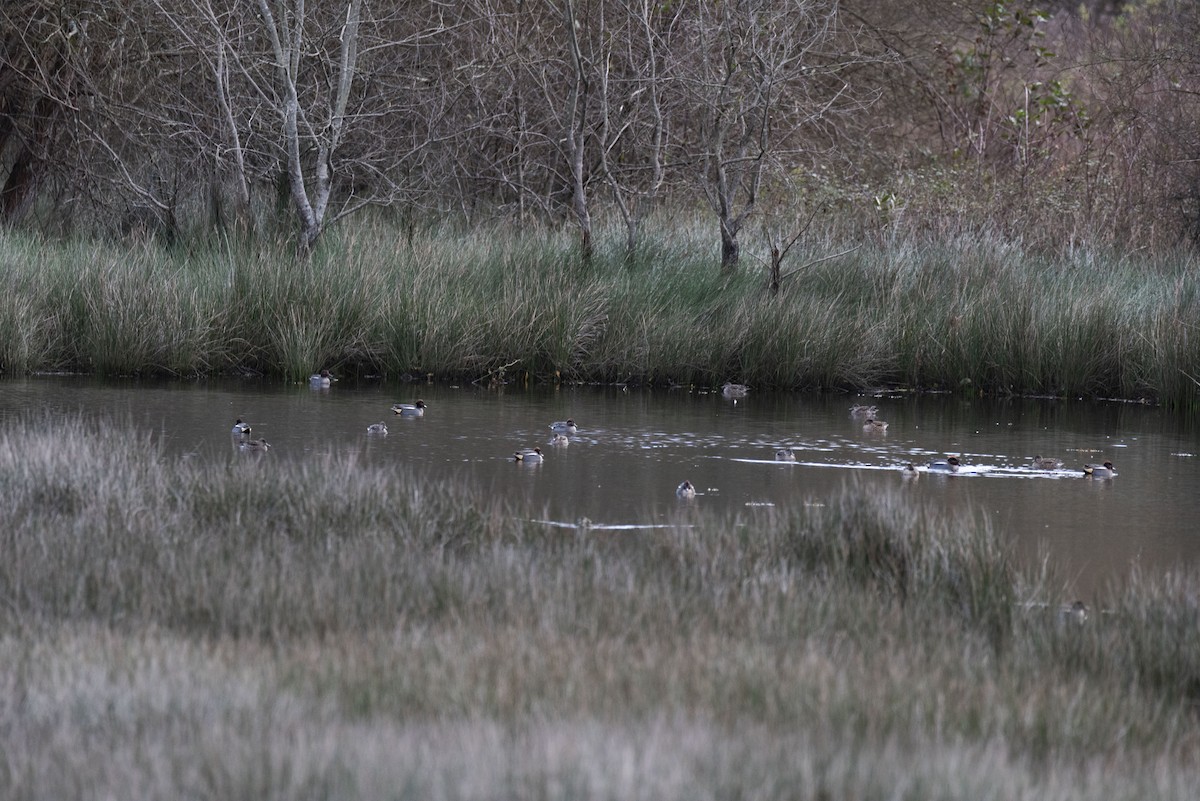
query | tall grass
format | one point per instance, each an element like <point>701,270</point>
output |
<point>325,629</point>
<point>967,310</point>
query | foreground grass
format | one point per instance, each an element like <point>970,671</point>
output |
<point>965,311</point>
<point>327,630</point>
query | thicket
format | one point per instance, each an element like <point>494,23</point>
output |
<point>1063,124</point>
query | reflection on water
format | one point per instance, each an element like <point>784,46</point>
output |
<point>632,449</point>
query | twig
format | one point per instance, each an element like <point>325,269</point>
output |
<point>790,273</point>
<point>499,370</point>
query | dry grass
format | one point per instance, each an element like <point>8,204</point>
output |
<point>330,630</point>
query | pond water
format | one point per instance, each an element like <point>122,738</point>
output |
<point>634,447</point>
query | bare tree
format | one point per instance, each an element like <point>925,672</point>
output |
<point>634,135</point>
<point>35,49</point>
<point>286,33</point>
<point>760,75</point>
<point>576,133</point>
<point>175,104</point>
<point>72,67</point>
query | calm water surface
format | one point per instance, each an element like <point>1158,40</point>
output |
<point>633,448</point>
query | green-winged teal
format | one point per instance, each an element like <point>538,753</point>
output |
<point>528,456</point>
<point>950,465</point>
<point>410,409</point>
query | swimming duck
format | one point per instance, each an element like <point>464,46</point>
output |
<point>863,411</point>
<point>254,445</point>
<point>321,379</point>
<point>564,427</point>
<point>951,465</point>
<point>909,471</point>
<point>734,391</point>
<point>685,490</point>
<point>1046,463</point>
<point>873,426</point>
<point>785,455</point>
<point>560,440</point>
<point>241,429</point>
<point>377,428</point>
<point>410,409</point>
<point>528,456</point>
<point>1099,470</point>
<point>1075,614</point>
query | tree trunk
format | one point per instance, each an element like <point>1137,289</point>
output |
<point>776,269</point>
<point>18,191</point>
<point>583,217</point>
<point>287,43</point>
<point>730,250</point>
<point>576,138</point>
<point>19,100</point>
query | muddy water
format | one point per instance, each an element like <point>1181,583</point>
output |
<point>633,448</point>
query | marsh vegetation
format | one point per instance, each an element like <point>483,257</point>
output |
<point>976,313</point>
<point>982,197</point>
<point>322,629</point>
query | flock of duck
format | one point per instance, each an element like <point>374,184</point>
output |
<point>563,430</point>
<point>871,424</point>
<point>321,380</point>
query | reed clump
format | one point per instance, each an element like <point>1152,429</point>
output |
<point>969,309</point>
<point>330,629</point>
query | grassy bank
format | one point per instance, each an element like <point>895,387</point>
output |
<point>261,629</point>
<point>966,311</point>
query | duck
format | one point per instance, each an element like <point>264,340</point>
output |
<point>863,411</point>
<point>1075,614</point>
<point>909,471</point>
<point>873,426</point>
<point>785,455</point>
<point>1099,470</point>
<point>734,391</point>
<point>685,490</point>
<point>321,379</point>
<point>1046,463</point>
<point>241,429</point>
<point>560,440</point>
<point>951,465</point>
<point>255,445</point>
<point>565,427</point>
<point>410,409</point>
<point>377,428</point>
<point>528,456</point>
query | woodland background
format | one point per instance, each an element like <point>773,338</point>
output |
<point>1061,123</point>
